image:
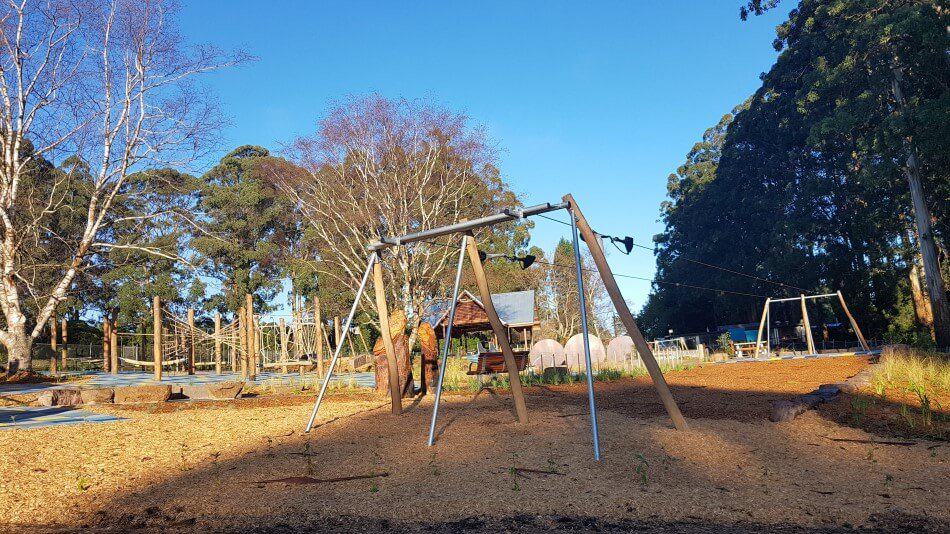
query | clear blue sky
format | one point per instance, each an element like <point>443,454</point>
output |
<point>601,100</point>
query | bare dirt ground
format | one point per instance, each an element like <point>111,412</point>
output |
<point>219,467</point>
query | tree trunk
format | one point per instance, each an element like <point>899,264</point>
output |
<point>19,347</point>
<point>925,314</point>
<point>928,249</point>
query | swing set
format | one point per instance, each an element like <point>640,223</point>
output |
<point>765,324</point>
<point>509,363</point>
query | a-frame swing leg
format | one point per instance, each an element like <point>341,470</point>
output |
<point>448,341</point>
<point>610,283</point>
<point>382,309</point>
<point>501,333</point>
<point>806,325</point>
<point>346,329</point>
<point>758,337</point>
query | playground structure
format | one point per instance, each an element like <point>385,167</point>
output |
<point>580,226</point>
<point>765,323</point>
<point>247,344</point>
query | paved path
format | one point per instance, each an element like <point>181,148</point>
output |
<point>103,380</point>
<point>38,417</point>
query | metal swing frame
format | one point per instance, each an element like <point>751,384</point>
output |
<point>579,230</point>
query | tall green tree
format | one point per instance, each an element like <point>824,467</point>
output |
<point>246,228</point>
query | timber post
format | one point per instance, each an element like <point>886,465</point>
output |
<point>806,324</point>
<point>318,319</point>
<point>758,337</point>
<point>613,290</point>
<point>854,323</point>
<point>52,344</point>
<point>501,334</point>
<point>282,324</point>
<point>157,337</point>
<point>106,344</point>
<point>114,348</point>
<point>251,335</point>
<point>191,341</point>
<point>65,330</point>
<point>337,335</point>
<point>242,345</point>
<point>383,310</point>
<point>217,342</point>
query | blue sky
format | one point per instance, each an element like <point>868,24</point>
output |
<point>602,100</point>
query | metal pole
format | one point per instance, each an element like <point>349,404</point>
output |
<point>336,353</point>
<point>583,305</point>
<point>448,341</point>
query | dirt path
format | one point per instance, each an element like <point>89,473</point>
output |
<point>205,468</point>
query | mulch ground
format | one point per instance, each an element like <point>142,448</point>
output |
<point>247,466</point>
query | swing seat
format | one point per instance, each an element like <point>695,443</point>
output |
<point>489,363</point>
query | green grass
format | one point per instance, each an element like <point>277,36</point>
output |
<point>919,372</point>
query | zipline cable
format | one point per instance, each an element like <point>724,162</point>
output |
<point>697,262</point>
<point>619,275</point>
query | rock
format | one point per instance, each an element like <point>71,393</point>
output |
<point>214,391</point>
<point>59,397</point>
<point>787,410</point>
<point>140,394</point>
<point>97,396</point>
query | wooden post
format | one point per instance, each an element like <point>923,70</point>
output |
<point>251,336</point>
<point>217,342</point>
<point>806,324</point>
<point>383,310</point>
<point>235,349</point>
<point>64,328</point>
<point>610,283</point>
<point>282,324</point>
<point>336,330</point>
<point>52,344</point>
<point>191,341</point>
<point>854,323</point>
<point>501,336</point>
<point>758,338</point>
<point>242,346</point>
<point>114,348</point>
<point>318,319</point>
<point>157,337</point>
<point>106,345</point>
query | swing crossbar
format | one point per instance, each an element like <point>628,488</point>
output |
<point>465,226</point>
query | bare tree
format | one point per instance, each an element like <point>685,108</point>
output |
<point>381,167</point>
<point>108,85</point>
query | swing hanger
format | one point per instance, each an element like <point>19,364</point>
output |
<point>626,241</point>
<point>526,261</point>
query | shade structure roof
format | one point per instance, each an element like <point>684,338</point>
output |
<point>515,309</point>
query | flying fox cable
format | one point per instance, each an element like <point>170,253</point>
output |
<point>620,275</point>
<point>629,244</point>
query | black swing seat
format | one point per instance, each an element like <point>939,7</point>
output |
<point>489,363</point>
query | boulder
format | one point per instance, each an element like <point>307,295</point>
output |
<point>59,397</point>
<point>97,396</point>
<point>230,389</point>
<point>142,394</point>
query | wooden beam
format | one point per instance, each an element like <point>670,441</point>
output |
<point>242,345</point>
<point>758,338</point>
<point>610,283</point>
<point>251,352</point>
<point>191,341</point>
<point>217,342</point>
<point>383,310</point>
<point>501,334</point>
<point>113,348</point>
<point>854,323</point>
<point>52,343</point>
<point>318,319</point>
<point>157,337</point>
<point>64,328</point>
<point>282,324</point>
<point>106,345</point>
<point>806,324</point>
